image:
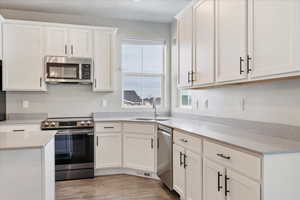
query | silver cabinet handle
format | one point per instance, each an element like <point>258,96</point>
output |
<point>108,127</point>
<point>184,140</point>
<point>152,143</point>
<point>41,81</point>
<point>66,49</point>
<point>95,84</point>
<point>19,130</point>
<point>223,156</point>
<point>72,49</point>
<point>97,142</point>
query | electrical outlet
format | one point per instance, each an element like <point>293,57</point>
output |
<point>25,104</point>
<point>243,104</point>
<point>206,104</point>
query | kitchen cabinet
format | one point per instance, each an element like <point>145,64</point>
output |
<point>204,43</point>
<point>108,145</point>
<point>80,42</point>
<point>230,174</point>
<point>185,47</point>
<point>19,128</point>
<point>103,59</point>
<point>139,146</point>
<point>187,166</point>
<point>139,152</point>
<point>108,150</point>
<point>56,41</point>
<point>273,46</point>
<point>61,41</point>
<point>231,40</point>
<point>212,180</point>
<point>23,53</point>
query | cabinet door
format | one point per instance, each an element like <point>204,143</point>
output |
<point>185,47</point>
<point>102,61</point>
<point>204,31</point>
<point>108,150</point>
<point>231,39</point>
<point>240,186</point>
<point>193,176</point>
<point>80,42</point>
<point>213,181</point>
<point>274,32</point>
<point>56,41</point>
<point>23,57</point>
<point>139,152</point>
<point>178,170</point>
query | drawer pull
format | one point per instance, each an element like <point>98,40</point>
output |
<point>109,127</point>
<point>226,185</point>
<point>184,161</point>
<point>184,140</point>
<point>19,130</point>
<point>152,143</point>
<point>223,156</point>
<point>219,181</point>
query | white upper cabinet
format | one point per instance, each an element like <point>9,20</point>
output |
<point>80,42</point>
<point>56,41</point>
<point>204,41</point>
<point>23,52</point>
<point>185,47</point>
<point>73,42</point>
<point>103,60</point>
<point>231,39</point>
<point>274,37</point>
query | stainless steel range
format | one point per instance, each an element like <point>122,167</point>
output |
<point>74,147</point>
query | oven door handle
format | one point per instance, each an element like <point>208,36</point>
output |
<point>70,133</point>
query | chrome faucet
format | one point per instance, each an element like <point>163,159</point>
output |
<point>155,108</point>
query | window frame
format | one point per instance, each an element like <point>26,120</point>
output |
<point>146,74</point>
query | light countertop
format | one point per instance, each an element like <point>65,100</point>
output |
<point>25,140</point>
<point>245,138</point>
<point>18,122</point>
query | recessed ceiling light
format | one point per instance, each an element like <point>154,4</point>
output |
<point>136,0</point>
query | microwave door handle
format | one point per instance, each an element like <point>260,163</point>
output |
<point>80,71</point>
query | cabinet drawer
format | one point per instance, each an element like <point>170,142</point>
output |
<point>187,141</point>
<point>20,128</point>
<point>141,128</point>
<point>245,163</point>
<point>108,127</point>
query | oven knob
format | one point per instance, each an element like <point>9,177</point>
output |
<point>82,123</point>
<point>52,124</point>
<point>46,124</point>
<point>89,123</point>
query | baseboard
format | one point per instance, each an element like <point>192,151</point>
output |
<point>127,171</point>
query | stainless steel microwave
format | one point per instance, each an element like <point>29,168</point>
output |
<point>68,70</point>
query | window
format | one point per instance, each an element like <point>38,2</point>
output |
<point>143,66</point>
<point>185,98</point>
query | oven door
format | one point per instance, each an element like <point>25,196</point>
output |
<point>74,149</point>
<point>62,72</point>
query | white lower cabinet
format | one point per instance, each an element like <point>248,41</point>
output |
<point>139,152</point>
<point>108,150</point>
<point>212,184</point>
<point>223,179</point>
<point>187,173</point>
<point>19,128</point>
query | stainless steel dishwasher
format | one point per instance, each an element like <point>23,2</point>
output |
<point>165,155</point>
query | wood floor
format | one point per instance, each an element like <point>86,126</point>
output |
<point>117,187</point>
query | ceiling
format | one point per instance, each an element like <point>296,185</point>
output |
<point>146,10</point>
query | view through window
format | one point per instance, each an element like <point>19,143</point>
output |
<point>143,73</point>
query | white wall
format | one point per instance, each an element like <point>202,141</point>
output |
<point>62,100</point>
<point>276,101</point>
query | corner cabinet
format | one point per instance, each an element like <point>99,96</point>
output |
<point>23,54</point>
<point>104,56</point>
<point>140,146</point>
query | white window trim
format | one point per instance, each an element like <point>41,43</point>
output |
<point>162,75</point>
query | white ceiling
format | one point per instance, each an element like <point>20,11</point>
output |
<point>147,10</point>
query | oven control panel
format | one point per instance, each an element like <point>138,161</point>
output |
<point>49,124</point>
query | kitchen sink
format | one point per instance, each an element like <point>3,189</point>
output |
<point>151,119</point>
